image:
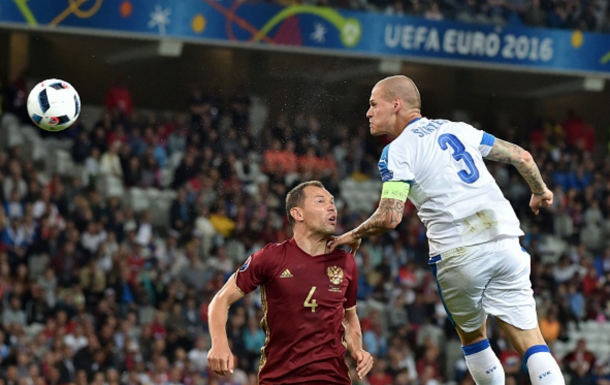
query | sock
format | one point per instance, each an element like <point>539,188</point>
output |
<point>542,367</point>
<point>483,364</point>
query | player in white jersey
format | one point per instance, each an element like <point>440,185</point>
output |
<point>472,229</point>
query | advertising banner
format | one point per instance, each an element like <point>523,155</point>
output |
<point>321,29</point>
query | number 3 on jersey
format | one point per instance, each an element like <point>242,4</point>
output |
<point>309,302</point>
<point>459,153</point>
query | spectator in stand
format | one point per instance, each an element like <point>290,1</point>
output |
<point>221,222</point>
<point>65,275</point>
<point>534,15</point>
<point>579,133</point>
<point>119,98</point>
<point>579,361</point>
<point>550,326</point>
<point>605,24</point>
<point>110,164</point>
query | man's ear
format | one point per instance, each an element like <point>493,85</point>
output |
<point>397,104</point>
<point>297,214</point>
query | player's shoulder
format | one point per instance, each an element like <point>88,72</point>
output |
<point>268,256</point>
<point>459,126</point>
<point>274,249</point>
<point>344,255</point>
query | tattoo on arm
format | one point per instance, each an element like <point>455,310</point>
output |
<point>505,152</point>
<point>387,216</point>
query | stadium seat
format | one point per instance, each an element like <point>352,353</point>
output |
<point>138,199</point>
<point>110,186</point>
<point>167,177</point>
<point>175,160</point>
<point>11,136</point>
<point>8,120</point>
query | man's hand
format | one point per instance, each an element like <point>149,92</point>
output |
<point>364,362</point>
<point>541,200</point>
<point>220,360</point>
<point>345,239</point>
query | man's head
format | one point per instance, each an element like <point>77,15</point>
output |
<point>311,206</point>
<point>394,102</point>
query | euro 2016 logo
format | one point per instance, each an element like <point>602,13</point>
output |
<point>335,274</point>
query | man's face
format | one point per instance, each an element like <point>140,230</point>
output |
<point>319,211</point>
<point>380,113</point>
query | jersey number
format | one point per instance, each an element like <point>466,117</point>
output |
<point>459,153</point>
<point>309,302</point>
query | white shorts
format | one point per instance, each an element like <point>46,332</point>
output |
<point>490,278</point>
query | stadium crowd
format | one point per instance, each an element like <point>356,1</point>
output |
<point>93,293</point>
<point>590,15</point>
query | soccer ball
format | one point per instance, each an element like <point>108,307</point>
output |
<point>53,105</point>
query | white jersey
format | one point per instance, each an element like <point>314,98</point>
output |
<point>456,197</point>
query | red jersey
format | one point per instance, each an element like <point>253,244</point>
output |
<point>304,299</point>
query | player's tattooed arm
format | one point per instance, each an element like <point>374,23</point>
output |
<point>506,152</point>
<point>387,216</point>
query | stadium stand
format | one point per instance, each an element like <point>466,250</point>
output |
<point>115,236</point>
<point>593,15</point>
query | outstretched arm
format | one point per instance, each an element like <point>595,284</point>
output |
<point>220,358</point>
<point>506,152</point>
<point>387,216</point>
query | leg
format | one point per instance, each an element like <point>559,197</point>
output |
<point>482,362</point>
<point>510,299</point>
<point>541,365</point>
<point>469,338</point>
<point>521,339</point>
<point>461,280</point>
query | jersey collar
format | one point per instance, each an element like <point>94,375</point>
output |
<point>413,121</point>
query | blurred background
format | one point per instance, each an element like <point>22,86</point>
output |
<point>199,115</point>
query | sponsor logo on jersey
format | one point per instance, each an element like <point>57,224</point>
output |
<point>286,274</point>
<point>246,264</point>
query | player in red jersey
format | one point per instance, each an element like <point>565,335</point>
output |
<point>308,296</point>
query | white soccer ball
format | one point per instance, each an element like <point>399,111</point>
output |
<point>53,105</point>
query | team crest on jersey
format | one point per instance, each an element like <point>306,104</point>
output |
<point>244,267</point>
<point>335,274</point>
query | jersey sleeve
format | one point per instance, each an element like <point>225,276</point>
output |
<point>257,270</point>
<point>395,166</point>
<point>481,139</point>
<point>352,290</point>
<point>487,142</point>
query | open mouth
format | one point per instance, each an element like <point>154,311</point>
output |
<point>333,220</point>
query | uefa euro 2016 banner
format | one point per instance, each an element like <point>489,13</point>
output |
<point>307,27</point>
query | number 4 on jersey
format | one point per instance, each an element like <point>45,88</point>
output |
<point>309,302</point>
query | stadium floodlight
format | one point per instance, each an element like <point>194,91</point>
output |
<point>595,84</point>
<point>390,66</point>
<point>170,48</point>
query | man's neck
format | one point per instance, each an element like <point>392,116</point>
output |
<point>312,244</point>
<point>406,120</point>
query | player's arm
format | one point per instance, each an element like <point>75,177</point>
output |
<point>353,337</point>
<point>389,213</point>
<point>506,152</point>
<point>353,333</point>
<point>387,216</point>
<point>220,358</point>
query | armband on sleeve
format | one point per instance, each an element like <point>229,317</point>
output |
<point>396,190</point>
